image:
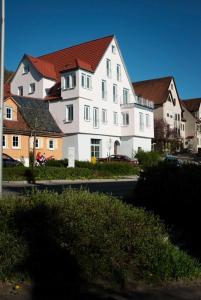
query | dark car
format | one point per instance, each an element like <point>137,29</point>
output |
<point>172,160</point>
<point>8,161</point>
<point>119,158</point>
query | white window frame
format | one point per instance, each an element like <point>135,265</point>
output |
<point>125,118</point>
<point>69,81</point>
<point>88,82</point>
<point>115,118</point>
<point>104,116</point>
<point>18,141</point>
<point>113,49</point>
<point>108,68</point>
<point>114,91</point>
<point>141,121</point>
<point>20,90</point>
<point>32,88</point>
<point>37,146</point>
<point>87,113</point>
<point>118,72</point>
<point>69,113</point>
<point>148,124</point>
<point>11,113</point>
<point>95,117</point>
<point>125,96</point>
<point>4,141</point>
<point>95,148</point>
<point>104,90</point>
<point>53,144</point>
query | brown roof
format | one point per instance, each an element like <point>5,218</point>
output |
<point>192,104</point>
<point>18,125</point>
<point>153,89</point>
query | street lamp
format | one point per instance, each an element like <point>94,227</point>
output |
<point>2,87</point>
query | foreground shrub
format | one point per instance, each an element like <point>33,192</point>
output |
<point>174,193</point>
<point>148,159</point>
<point>82,235</point>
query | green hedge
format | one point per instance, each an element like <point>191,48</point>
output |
<point>148,159</point>
<point>86,236</point>
<point>85,171</point>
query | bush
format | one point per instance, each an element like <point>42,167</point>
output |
<point>57,163</point>
<point>88,236</point>
<point>148,159</point>
<point>14,173</point>
<point>173,193</point>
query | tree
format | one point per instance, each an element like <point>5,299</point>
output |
<point>7,75</point>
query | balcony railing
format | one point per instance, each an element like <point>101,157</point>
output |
<point>144,102</point>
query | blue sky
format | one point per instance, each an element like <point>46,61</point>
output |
<point>157,37</point>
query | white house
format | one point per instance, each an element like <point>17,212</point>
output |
<point>91,98</point>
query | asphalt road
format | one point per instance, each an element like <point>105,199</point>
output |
<point>116,188</point>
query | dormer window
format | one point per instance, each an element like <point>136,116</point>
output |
<point>9,113</point>
<point>25,69</point>
<point>86,81</point>
<point>32,88</point>
<point>20,90</point>
<point>69,81</point>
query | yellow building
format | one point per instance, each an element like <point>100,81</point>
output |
<point>24,119</point>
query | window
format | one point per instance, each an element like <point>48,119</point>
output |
<point>20,91</point>
<point>178,117</point>
<point>95,148</point>
<point>104,90</point>
<point>69,113</point>
<point>167,114</point>
<point>118,73</point>
<point>141,118</point>
<point>9,113</point>
<point>125,119</point>
<point>115,93</point>
<point>37,143</point>
<point>115,118</point>
<point>4,141</point>
<point>87,113</point>
<point>125,96</point>
<point>113,49</point>
<point>89,82</point>
<point>15,141</point>
<point>83,80</point>
<point>32,88</point>
<point>69,81</point>
<point>51,144</point>
<point>25,69</point>
<point>108,67</point>
<point>147,121</point>
<point>86,81</point>
<point>104,116</point>
<point>95,117</point>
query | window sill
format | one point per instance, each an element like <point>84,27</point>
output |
<point>68,89</point>
<point>17,148</point>
<point>66,122</point>
<point>31,93</point>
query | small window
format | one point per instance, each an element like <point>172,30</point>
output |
<point>15,141</point>
<point>125,119</point>
<point>115,118</point>
<point>95,117</point>
<point>87,113</point>
<point>108,67</point>
<point>167,114</point>
<point>147,121</point>
<point>37,143</point>
<point>4,141</point>
<point>104,90</point>
<point>83,80</point>
<point>9,113</point>
<point>69,81</point>
<point>32,88</point>
<point>104,116</point>
<point>141,119</point>
<point>113,49</point>
<point>118,73</point>
<point>25,69</point>
<point>114,93</point>
<point>89,86</point>
<point>20,91</point>
<point>125,96</point>
<point>51,144</point>
<point>69,113</point>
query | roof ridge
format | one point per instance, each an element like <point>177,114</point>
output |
<point>75,46</point>
<point>154,79</point>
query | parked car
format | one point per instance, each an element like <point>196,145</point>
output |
<point>172,160</point>
<point>8,161</point>
<point>197,159</point>
<point>119,158</point>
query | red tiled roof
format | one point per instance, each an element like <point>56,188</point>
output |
<point>7,90</point>
<point>45,68</point>
<point>17,125</point>
<point>86,55</point>
<point>192,104</point>
<point>153,89</point>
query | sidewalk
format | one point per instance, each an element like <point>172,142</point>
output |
<point>68,181</point>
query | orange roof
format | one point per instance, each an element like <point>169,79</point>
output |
<point>45,68</point>
<point>192,104</point>
<point>155,90</point>
<point>86,56</point>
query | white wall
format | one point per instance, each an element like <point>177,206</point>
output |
<point>24,80</point>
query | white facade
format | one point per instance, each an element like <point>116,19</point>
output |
<point>104,109</point>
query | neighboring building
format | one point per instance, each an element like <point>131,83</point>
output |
<point>23,118</point>
<point>91,98</point>
<point>192,114</point>
<point>167,108</point>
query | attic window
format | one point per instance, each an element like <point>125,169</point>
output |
<point>113,49</point>
<point>172,86</point>
<point>9,113</point>
<point>69,81</point>
<point>25,69</point>
<point>32,88</point>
